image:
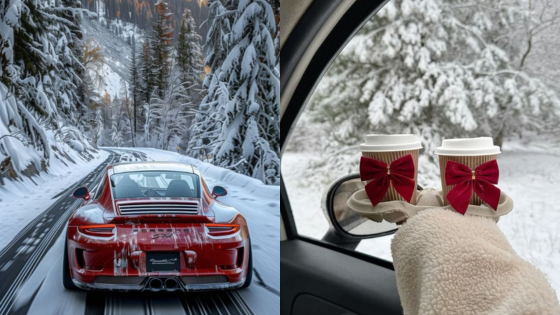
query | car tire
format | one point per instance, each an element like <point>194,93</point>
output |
<point>66,278</point>
<point>249,276</point>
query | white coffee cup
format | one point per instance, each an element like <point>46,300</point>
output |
<point>388,148</point>
<point>468,151</point>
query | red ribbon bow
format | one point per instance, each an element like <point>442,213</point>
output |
<point>481,180</point>
<point>400,172</point>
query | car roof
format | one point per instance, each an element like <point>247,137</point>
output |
<point>152,166</point>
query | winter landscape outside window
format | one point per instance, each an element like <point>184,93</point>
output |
<point>443,69</point>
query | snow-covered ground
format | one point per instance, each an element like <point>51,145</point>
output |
<point>22,201</point>
<point>529,173</point>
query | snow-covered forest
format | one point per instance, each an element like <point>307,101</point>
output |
<point>198,77</point>
<point>438,69</point>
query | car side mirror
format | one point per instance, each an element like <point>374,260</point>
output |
<point>219,191</point>
<point>347,228</point>
<point>81,193</point>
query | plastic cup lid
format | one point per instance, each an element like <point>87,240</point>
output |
<point>468,147</point>
<point>388,143</point>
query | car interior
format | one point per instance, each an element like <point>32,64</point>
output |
<point>326,276</point>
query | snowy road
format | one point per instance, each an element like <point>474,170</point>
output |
<point>30,265</point>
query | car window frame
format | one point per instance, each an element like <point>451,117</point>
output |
<point>346,28</point>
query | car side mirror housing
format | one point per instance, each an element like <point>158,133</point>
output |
<point>347,228</point>
<point>81,193</point>
<point>219,191</point>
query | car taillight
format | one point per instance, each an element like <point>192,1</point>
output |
<point>216,229</point>
<point>104,230</point>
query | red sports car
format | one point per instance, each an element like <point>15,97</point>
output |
<point>156,226</point>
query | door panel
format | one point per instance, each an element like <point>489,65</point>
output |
<point>341,281</point>
<point>306,304</point>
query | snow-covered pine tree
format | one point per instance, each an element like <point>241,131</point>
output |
<point>189,53</point>
<point>118,129</point>
<point>161,41</point>
<point>185,80</point>
<point>135,87</point>
<point>433,68</point>
<point>209,115</point>
<point>145,65</point>
<point>249,137</point>
<point>21,109</point>
<point>146,88</point>
<point>127,112</point>
<point>97,126</point>
<point>155,67</point>
<point>41,85</point>
<point>106,110</point>
<point>72,90</point>
<point>176,108</point>
<point>154,112</point>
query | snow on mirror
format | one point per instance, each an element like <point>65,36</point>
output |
<point>343,218</point>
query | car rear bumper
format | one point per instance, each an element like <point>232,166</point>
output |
<point>144,284</point>
<point>120,262</point>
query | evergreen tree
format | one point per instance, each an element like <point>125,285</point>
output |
<point>146,87</point>
<point>189,53</point>
<point>155,68</point>
<point>135,87</point>
<point>160,39</point>
<point>124,116</point>
<point>186,80</point>
<point>208,120</point>
<point>145,67</point>
<point>42,78</point>
<point>70,49</point>
<point>249,138</point>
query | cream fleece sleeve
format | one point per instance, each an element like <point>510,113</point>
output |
<point>446,263</point>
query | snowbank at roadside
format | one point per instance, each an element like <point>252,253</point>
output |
<point>23,200</point>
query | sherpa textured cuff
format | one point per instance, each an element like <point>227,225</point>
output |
<point>447,263</point>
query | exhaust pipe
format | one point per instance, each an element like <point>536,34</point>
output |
<point>156,285</point>
<point>171,284</point>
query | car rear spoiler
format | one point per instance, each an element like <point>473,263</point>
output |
<point>161,218</point>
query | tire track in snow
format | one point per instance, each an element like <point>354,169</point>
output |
<point>22,255</point>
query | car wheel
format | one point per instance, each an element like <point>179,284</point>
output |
<point>66,278</point>
<point>249,276</point>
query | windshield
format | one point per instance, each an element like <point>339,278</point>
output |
<point>155,184</point>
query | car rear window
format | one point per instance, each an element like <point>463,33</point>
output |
<point>155,184</point>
